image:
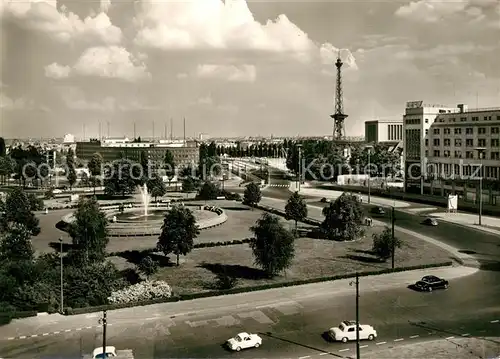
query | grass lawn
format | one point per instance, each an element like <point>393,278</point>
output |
<point>314,258</point>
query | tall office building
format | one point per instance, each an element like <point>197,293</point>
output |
<point>457,147</point>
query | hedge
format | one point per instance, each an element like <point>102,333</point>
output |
<point>6,317</point>
<point>222,244</point>
<point>183,297</point>
<point>281,213</point>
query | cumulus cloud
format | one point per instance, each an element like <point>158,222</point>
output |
<point>215,24</point>
<point>107,62</point>
<point>242,73</point>
<point>44,16</point>
<point>329,53</point>
<point>57,71</point>
<point>105,5</point>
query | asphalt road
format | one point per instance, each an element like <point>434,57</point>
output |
<point>294,329</point>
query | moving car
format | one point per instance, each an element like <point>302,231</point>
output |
<point>244,341</point>
<point>346,331</point>
<point>431,282</point>
<point>378,210</point>
<point>430,222</point>
<point>111,352</point>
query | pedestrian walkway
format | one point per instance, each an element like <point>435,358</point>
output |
<point>488,224</point>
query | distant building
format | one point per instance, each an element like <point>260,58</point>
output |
<point>183,152</point>
<point>69,138</point>
<point>383,131</point>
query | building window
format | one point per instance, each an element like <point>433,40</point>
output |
<point>495,155</point>
<point>486,118</point>
<point>426,120</point>
<point>498,118</point>
<point>481,142</point>
<point>469,142</point>
<point>446,153</point>
<point>452,119</point>
<point>475,118</point>
<point>481,130</point>
<point>447,131</point>
<point>495,130</point>
<point>463,119</point>
<point>436,142</point>
<point>427,142</point>
<point>495,142</point>
<point>458,131</point>
<point>458,142</point>
<point>469,154</point>
<point>436,153</point>
<point>436,131</point>
<point>447,142</point>
<point>426,153</point>
<point>458,154</point>
<point>426,132</point>
<point>469,131</point>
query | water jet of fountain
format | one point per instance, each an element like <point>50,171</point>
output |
<point>145,198</point>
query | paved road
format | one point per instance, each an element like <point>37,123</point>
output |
<point>294,327</point>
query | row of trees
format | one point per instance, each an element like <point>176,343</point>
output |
<point>328,160</point>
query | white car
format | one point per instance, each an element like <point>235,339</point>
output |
<point>346,331</point>
<point>244,341</point>
<point>98,353</point>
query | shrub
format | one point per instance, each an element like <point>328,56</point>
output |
<point>144,291</point>
<point>225,281</point>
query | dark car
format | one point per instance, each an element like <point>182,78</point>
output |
<point>430,222</point>
<point>378,210</point>
<point>431,282</point>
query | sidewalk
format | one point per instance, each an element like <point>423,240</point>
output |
<point>488,224</point>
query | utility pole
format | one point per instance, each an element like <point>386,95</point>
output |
<point>104,325</point>
<point>299,146</point>
<point>369,175</point>
<point>356,283</point>
<point>62,276</point>
<point>393,219</point>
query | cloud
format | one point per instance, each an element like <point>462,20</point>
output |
<point>107,62</point>
<point>207,100</point>
<point>329,53</point>
<point>63,26</point>
<point>7,103</point>
<point>56,71</point>
<point>105,5</point>
<point>217,25</point>
<point>242,73</point>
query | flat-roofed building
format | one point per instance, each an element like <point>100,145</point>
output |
<point>383,131</point>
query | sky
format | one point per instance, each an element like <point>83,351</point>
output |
<point>235,67</point>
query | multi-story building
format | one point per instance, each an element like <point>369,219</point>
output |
<point>184,153</point>
<point>447,151</point>
<point>417,121</point>
<point>383,131</point>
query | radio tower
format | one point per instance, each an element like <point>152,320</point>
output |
<point>339,116</point>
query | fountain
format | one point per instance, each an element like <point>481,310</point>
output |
<point>145,198</point>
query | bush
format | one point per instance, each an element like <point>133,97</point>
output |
<point>148,290</point>
<point>225,281</point>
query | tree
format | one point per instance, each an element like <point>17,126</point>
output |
<point>71,176</point>
<point>94,166</point>
<point>178,232</point>
<point>3,148</point>
<point>120,178</point>
<point>16,244</point>
<point>18,210</point>
<point>7,167</point>
<point>383,244</point>
<point>252,195</point>
<point>148,266</point>
<point>343,218</point>
<point>208,191</point>
<point>225,281</point>
<point>273,246</point>
<point>36,204</point>
<point>144,161</point>
<point>169,165</point>
<point>89,231</point>
<point>188,185</point>
<point>296,208</point>
<point>156,187</point>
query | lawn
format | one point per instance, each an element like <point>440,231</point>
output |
<point>314,258</point>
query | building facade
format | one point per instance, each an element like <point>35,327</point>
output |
<point>383,131</point>
<point>184,153</point>
<point>448,150</point>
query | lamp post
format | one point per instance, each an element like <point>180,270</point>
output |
<point>356,283</point>
<point>369,174</point>
<point>480,153</point>
<point>61,304</point>
<point>299,146</point>
<point>393,219</point>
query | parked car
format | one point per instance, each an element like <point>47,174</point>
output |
<point>244,341</point>
<point>430,222</point>
<point>98,353</point>
<point>431,282</point>
<point>346,331</point>
<point>378,210</point>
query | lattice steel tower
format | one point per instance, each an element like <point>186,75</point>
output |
<point>339,116</point>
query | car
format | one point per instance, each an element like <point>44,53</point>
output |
<point>98,353</point>
<point>346,331</point>
<point>244,341</point>
<point>430,222</point>
<point>431,282</point>
<point>378,210</point>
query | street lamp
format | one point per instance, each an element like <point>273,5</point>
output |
<point>299,179</point>
<point>356,283</point>
<point>62,278</point>
<point>369,173</point>
<point>480,153</point>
